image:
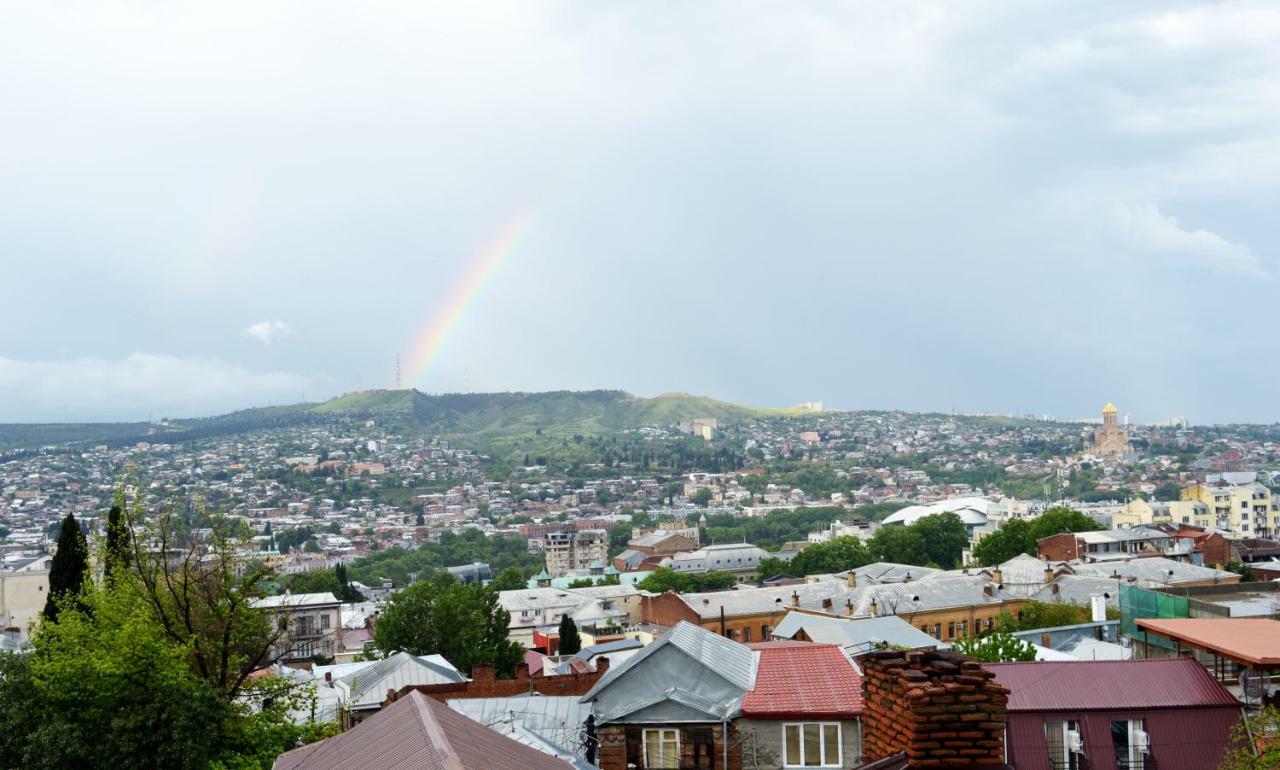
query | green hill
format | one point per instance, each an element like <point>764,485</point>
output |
<point>481,416</point>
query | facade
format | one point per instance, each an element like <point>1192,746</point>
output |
<point>740,559</point>
<point>647,549</point>
<point>1116,715</point>
<point>310,625</point>
<point>578,550</point>
<point>22,598</point>
<point>1111,440</point>
<point>1237,503</point>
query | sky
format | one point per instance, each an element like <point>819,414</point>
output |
<point>1027,207</point>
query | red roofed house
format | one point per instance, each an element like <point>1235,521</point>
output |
<point>1159,714</point>
<point>805,709</point>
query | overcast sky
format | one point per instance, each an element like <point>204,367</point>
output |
<point>1021,206</point>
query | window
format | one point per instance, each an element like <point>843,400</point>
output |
<point>746,634</point>
<point>963,628</point>
<point>764,632</point>
<point>324,621</point>
<point>1130,742</point>
<point>661,748</point>
<point>951,630</point>
<point>1058,737</point>
<point>811,744</point>
<point>937,630</point>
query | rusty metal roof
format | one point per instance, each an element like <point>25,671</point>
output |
<point>1111,685</point>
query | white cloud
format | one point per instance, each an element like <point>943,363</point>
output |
<point>266,331</point>
<point>1145,227</point>
<point>136,387</point>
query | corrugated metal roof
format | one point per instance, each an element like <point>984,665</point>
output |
<point>804,680</point>
<point>857,635</point>
<point>418,732</point>
<point>369,685</point>
<point>1110,685</point>
<point>1248,640</point>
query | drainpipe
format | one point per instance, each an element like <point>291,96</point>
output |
<point>724,749</point>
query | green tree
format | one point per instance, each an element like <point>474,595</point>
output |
<point>510,579</point>
<point>570,641</point>
<point>115,555</point>
<point>998,647</point>
<point>944,538</point>
<point>464,623</point>
<point>1253,744</point>
<point>702,497</point>
<point>421,520</point>
<point>1055,521</point>
<point>899,544</point>
<point>70,563</point>
<point>1005,543</point>
<point>666,579</point>
<point>836,555</point>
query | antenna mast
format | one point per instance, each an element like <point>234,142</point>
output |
<point>397,371</point>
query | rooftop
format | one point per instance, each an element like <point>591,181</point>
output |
<point>1111,685</point>
<point>1254,641</point>
<point>798,679</point>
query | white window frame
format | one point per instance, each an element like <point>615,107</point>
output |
<point>1067,725</point>
<point>1137,760</point>
<point>662,739</point>
<point>822,739</point>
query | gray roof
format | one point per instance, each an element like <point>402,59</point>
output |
<point>294,601</point>
<point>1076,589</point>
<point>856,635</point>
<point>551,724</point>
<point>889,572</point>
<point>746,601</point>
<point>1155,570</point>
<point>369,685</point>
<point>688,673</point>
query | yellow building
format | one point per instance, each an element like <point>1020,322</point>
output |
<point>1238,504</point>
<point>1140,512</point>
<point>1111,440</point>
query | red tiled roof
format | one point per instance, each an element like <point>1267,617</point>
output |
<point>796,679</point>
<point>1110,685</point>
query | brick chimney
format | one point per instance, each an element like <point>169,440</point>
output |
<point>852,579</point>
<point>941,708</point>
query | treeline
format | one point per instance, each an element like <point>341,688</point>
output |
<point>775,528</point>
<point>397,564</point>
<point>1020,535</point>
<point>933,541</point>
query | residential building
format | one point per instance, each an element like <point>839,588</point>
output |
<point>675,703</point>
<point>310,625</point>
<point>362,687</point>
<point>567,551</point>
<point>22,598</point>
<point>741,559</point>
<point>805,709</point>
<point>645,551</point>
<point>1116,715</point>
<point>1238,503</point>
<point>553,724</point>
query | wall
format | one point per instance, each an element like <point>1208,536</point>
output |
<point>701,746</point>
<point>1181,739</point>
<point>762,747</point>
<point>486,684</point>
<point>1063,547</point>
<point>22,598</point>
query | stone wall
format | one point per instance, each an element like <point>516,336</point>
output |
<point>942,708</point>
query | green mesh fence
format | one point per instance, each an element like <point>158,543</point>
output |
<point>1138,603</point>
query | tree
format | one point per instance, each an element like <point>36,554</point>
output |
<point>1253,744</point>
<point>464,623</point>
<point>702,497</point>
<point>899,544</point>
<point>116,553</point>
<point>836,555</point>
<point>66,574</point>
<point>945,537</point>
<point>421,520</point>
<point>510,579</point>
<point>998,647</point>
<point>1005,543</point>
<point>666,579</point>
<point>1055,521</point>
<point>570,641</point>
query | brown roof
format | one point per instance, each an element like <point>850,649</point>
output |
<point>418,732</point>
<point>1254,641</point>
<point>1111,685</point>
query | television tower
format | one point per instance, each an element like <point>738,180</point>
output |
<point>397,371</point>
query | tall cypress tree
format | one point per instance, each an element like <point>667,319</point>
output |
<point>570,641</point>
<point>66,576</point>
<point>117,552</point>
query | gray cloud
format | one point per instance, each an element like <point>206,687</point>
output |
<point>835,201</point>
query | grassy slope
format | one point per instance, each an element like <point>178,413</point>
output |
<point>484,416</point>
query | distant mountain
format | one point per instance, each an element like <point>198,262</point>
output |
<point>480,415</point>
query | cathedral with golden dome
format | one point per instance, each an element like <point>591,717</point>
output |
<point>1112,439</point>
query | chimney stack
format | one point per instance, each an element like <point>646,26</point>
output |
<point>795,599</point>
<point>997,575</point>
<point>852,579</point>
<point>942,709</point>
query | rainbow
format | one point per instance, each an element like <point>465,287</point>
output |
<point>482,268</point>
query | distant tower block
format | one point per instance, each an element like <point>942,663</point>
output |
<point>1111,440</point>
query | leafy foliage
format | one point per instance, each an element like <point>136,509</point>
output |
<point>464,623</point>
<point>998,647</point>
<point>510,579</point>
<point>399,564</point>
<point>1020,535</point>
<point>1255,742</point>
<point>666,579</point>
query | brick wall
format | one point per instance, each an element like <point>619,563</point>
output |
<point>486,684</point>
<point>942,708</point>
<point>1062,547</point>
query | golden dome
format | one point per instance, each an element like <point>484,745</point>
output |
<point>1109,409</point>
